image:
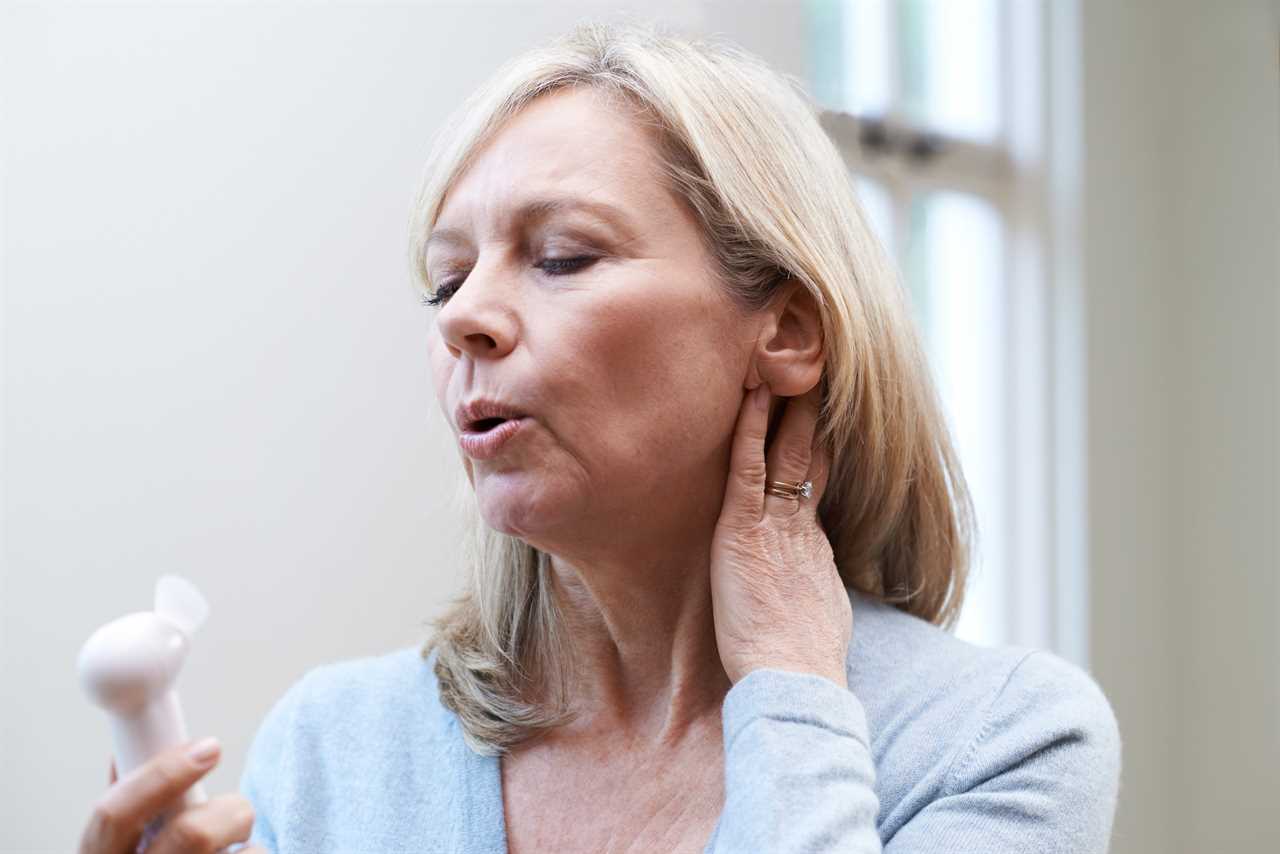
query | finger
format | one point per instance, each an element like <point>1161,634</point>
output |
<point>744,489</point>
<point>112,778</point>
<point>206,828</point>
<point>819,473</point>
<point>791,451</point>
<point>125,808</point>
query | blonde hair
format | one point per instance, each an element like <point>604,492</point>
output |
<point>742,146</point>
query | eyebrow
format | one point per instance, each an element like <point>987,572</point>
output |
<point>536,210</point>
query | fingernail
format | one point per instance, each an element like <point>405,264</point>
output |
<point>762,396</point>
<point>202,752</point>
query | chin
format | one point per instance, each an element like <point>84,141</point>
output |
<point>515,504</point>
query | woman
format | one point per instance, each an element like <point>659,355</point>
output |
<point>718,521</point>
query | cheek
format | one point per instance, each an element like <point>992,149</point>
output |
<point>658,372</point>
<point>618,355</point>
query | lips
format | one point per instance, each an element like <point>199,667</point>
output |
<point>487,444</point>
<point>484,414</point>
<point>486,425</point>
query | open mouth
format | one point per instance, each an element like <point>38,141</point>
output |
<point>482,416</point>
<point>484,425</point>
<point>485,438</point>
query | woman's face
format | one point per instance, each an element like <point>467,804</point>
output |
<point>586,301</point>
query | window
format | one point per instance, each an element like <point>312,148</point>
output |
<point>941,109</point>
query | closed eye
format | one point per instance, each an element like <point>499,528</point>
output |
<point>550,266</point>
<point>564,266</point>
<point>443,292</point>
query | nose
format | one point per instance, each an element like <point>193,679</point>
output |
<point>478,319</point>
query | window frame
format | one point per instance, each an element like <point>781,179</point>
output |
<point>1028,174</point>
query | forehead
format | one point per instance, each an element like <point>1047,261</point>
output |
<point>569,143</point>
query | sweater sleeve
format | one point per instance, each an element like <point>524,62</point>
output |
<point>798,769</point>
<point>265,767</point>
<point>1039,773</point>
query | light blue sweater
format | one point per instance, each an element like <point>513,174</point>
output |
<point>936,746</point>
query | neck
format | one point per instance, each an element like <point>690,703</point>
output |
<point>644,641</point>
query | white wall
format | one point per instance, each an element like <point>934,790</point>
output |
<point>1181,225</point>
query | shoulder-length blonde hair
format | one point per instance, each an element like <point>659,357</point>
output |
<point>742,146</point>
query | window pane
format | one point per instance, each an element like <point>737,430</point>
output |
<point>875,200</point>
<point>826,52</point>
<point>937,62</point>
<point>849,54</point>
<point>866,57</point>
<point>950,64</point>
<point>955,265</point>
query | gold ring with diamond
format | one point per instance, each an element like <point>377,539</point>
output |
<point>794,491</point>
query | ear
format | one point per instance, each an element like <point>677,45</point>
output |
<point>788,353</point>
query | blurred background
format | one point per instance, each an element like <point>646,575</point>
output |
<point>214,363</point>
